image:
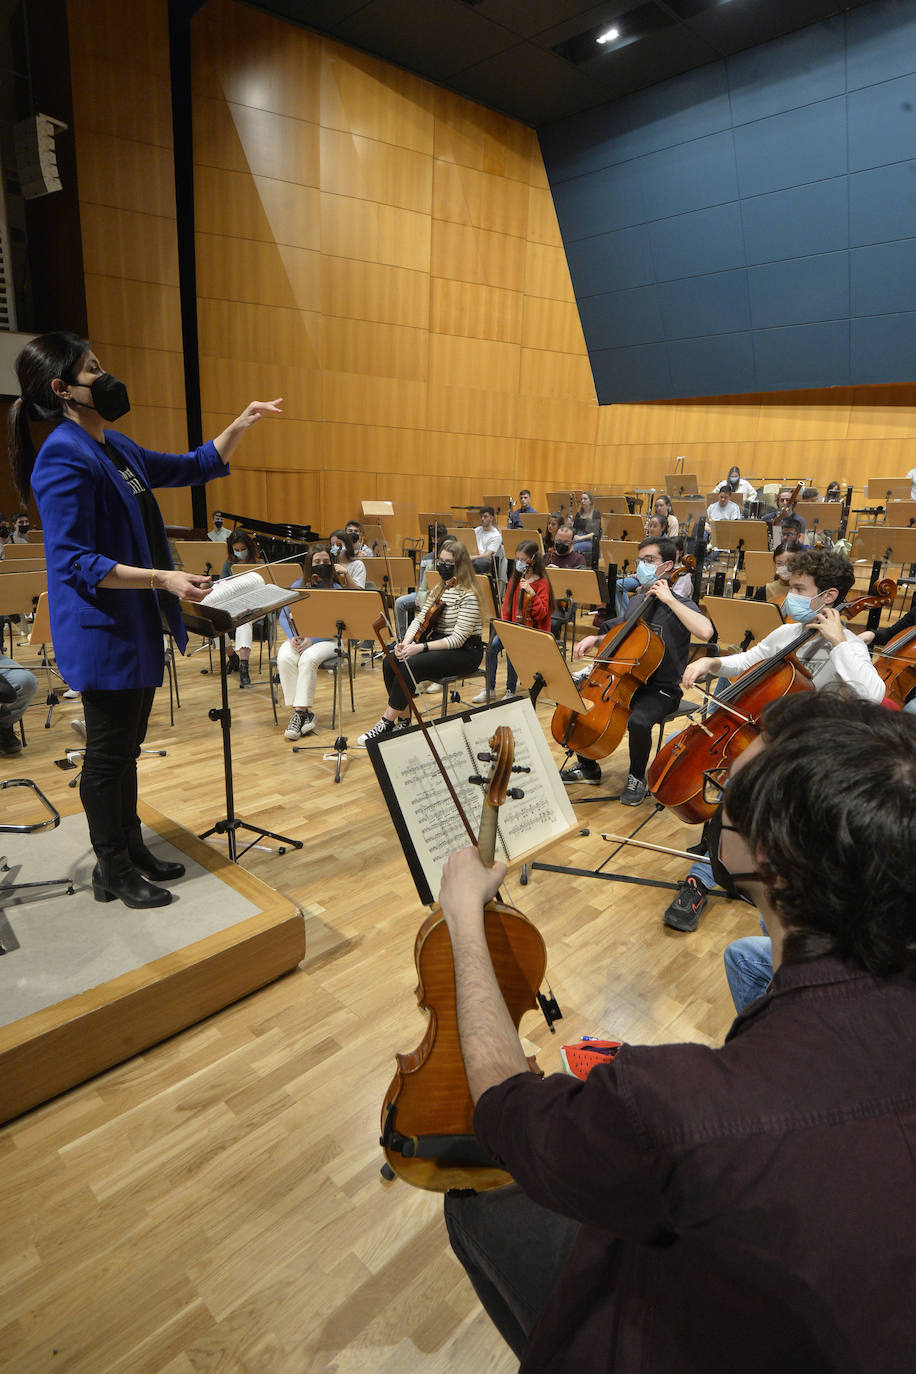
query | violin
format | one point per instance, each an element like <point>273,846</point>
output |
<point>896,665</point>
<point>526,616</point>
<point>432,611</point>
<point>427,1114</point>
<point>626,659</point>
<point>675,776</point>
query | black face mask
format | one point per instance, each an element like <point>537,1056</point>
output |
<point>446,571</point>
<point>109,397</point>
<point>712,834</point>
<point>321,575</point>
<point>4,531</point>
<point>560,547</point>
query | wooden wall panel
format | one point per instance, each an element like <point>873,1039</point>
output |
<point>365,96</point>
<point>374,350</point>
<point>125,174</point>
<point>364,230</point>
<point>465,196</point>
<point>263,208</point>
<point>241,139</point>
<point>373,291</point>
<point>370,449</point>
<point>547,273</point>
<point>542,218</point>
<point>240,58</point>
<point>386,401</point>
<point>230,383</point>
<point>476,255</point>
<point>293,497</point>
<point>265,274</point>
<point>116,304</point>
<point>122,243</point>
<point>475,312</point>
<point>479,363</point>
<point>481,138</point>
<point>105,93</point>
<point>369,170</point>
<point>464,410</point>
<point>557,376</point>
<point>156,377</point>
<point>235,329</point>
<point>555,325</point>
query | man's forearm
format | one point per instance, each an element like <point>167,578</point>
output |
<point>490,1045</point>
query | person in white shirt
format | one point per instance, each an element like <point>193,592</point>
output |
<point>219,534</point>
<point>818,580</point>
<point>735,484</point>
<point>724,508</point>
<point>912,476</point>
<point>489,542</point>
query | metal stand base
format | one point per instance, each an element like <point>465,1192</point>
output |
<point>230,824</point>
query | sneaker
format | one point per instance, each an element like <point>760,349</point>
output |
<point>308,722</point>
<point>10,743</point>
<point>635,791</point>
<point>508,696</point>
<point>684,911</point>
<point>79,728</point>
<point>70,695</point>
<point>581,675</point>
<point>579,774</point>
<point>381,727</point>
<point>296,721</point>
<point>480,697</point>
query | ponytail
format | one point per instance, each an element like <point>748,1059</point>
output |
<point>58,354</point>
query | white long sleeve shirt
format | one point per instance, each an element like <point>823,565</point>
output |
<point>849,663</point>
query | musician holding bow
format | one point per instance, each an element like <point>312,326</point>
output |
<point>674,619</point>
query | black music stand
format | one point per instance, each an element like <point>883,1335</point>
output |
<point>198,620</point>
<point>331,615</point>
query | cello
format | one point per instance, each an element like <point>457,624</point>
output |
<point>427,1114</point>
<point>626,659</point>
<point>896,665</point>
<point>675,776</point>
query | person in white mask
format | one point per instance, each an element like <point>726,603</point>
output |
<point>675,619</point>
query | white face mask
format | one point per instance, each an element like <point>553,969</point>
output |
<point>336,550</point>
<point>240,555</point>
<point>520,565</point>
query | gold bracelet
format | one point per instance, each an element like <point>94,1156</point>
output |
<point>152,579</point>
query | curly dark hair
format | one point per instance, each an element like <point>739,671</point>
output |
<point>828,569</point>
<point>828,808</point>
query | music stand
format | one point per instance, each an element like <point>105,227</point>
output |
<point>877,541</point>
<point>611,504</point>
<point>740,621</point>
<point>681,484</point>
<point>512,539</point>
<point>623,527</point>
<point>558,502</point>
<point>499,504</point>
<point>539,664</point>
<point>330,615</point>
<point>532,520</point>
<point>625,553</point>
<point>888,489</point>
<point>752,534</point>
<point>203,556</point>
<point>229,825</point>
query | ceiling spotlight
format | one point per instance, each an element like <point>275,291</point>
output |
<point>608,36</point>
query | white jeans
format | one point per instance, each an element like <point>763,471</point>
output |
<point>298,672</point>
<point>244,636</point>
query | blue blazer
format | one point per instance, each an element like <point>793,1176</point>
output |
<point>105,638</point>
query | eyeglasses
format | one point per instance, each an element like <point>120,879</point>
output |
<point>714,781</point>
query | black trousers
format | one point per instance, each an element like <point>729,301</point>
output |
<point>432,667</point>
<point>115,729</point>
<point>513,1251</point>
<point>649,706</point>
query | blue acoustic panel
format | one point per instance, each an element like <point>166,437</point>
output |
<point>796,70</point>
<point>703,241</point>
<point>632,374</point>
<point>883,348</point>
<point>802,145</point>
<point>798,222</point>
<point>679,111</point>
<point>804,355</point>
<point>715,304</point>
<point>882,123</point>
<point>799,290</point>
<point>593,204</point>
<point>881,42</point>
<point>587,142</point>
<point>610,262</point>
<point>620,318</point>
<point>883,278</point>
<point>712,366</point>
<point>882,204</point>
<point>682,179</point>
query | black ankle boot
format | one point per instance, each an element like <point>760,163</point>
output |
<point>117,877</point>
<point>232,662</point>
<point>244,675</point>
<point>161,869</point>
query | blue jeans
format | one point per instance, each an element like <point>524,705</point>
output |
<point>23,683</point>
<point>748,968</point>
<point>404,611</point>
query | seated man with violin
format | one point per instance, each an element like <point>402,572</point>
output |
<point>674,619</point>
<point>691,1209</point>
<point>785,506</point>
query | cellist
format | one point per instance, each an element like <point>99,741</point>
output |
<point>817,580</point>
<point>675,619</point>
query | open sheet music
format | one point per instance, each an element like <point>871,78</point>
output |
<point>424,815</point>
<point>236,600</point>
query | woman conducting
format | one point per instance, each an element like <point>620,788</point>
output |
<point>453,646</point>
<point>110,579</point>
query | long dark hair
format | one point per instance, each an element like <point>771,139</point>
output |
<point>529,549</point>
<point>58,354</point>
<point>243,537</point>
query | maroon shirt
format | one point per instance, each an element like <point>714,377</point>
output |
<point>745,1209</point>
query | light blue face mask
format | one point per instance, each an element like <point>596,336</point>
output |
<point>646,573</point>
<point>798,608</point>
<point>520,565</point>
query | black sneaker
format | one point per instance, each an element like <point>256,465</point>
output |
<point>381,727</point>
<point>579,774</point>
<point>635,791</point>
<point>684,911</point>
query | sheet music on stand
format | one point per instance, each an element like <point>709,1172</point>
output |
<point>424,815</point>
<point>236,601</point>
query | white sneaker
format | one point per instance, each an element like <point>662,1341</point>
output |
<point>70,695</point>
<point>481,696</point>
<point>79,728</point>
<point>508,696</point>
<point>433,687</point>
<point>308,723</point>
<point>296,722</point>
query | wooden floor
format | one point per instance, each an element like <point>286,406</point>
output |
<point>216,1204</point>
